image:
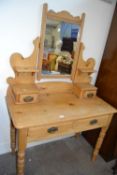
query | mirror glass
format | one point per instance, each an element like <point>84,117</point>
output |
<point>59,47</point>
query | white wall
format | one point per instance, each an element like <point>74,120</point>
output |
<point>20,24</point>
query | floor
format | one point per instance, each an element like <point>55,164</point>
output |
<point>71,156</point>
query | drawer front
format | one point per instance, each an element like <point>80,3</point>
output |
<point>49,131</point>
<point>89,94</point>
<point>87,124</point>
<point>24,98</point>
<point>31,98</point>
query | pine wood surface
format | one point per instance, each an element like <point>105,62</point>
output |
<point>25,88</point>
<point>84,90</point>
<point>41,132</point>
<point>54,104</point>
<point>86,86</point>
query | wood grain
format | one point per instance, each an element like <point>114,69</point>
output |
<point>52,105</point>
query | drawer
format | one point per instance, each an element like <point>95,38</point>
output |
<point>23,99</point>
<point>89,94</point>
<point>85,90</point>
<point>49,131</point>
<point>91,123</point>
<point>30,98</point>
<point>23,94</point>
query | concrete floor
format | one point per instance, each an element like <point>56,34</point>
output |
<point>70,156</point>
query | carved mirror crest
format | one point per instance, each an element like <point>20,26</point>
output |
<point>59,44</point>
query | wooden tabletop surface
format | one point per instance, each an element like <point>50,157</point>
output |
<point>56,107</point>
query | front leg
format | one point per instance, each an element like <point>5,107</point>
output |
<point>13,137</point>
<point>101,138</point>
<point>99,143</point>
<point>22,141</point>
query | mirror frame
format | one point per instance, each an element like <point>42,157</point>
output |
<point>60,16</point>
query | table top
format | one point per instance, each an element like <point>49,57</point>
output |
<point>60,106</point>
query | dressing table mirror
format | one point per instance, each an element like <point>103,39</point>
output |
<point>61,35</point>
<point>45,110</point>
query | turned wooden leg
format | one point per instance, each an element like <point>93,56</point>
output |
<point>13,138</point>
<point>99,142</point>
<point>22,140</point>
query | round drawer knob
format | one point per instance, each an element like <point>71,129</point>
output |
<point>28,99</point>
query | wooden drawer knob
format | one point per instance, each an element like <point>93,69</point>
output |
<point>28,99</point>
<point>93,122</point>
<point>52,129</point>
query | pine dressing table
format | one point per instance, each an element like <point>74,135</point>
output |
<point>45,110</point>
